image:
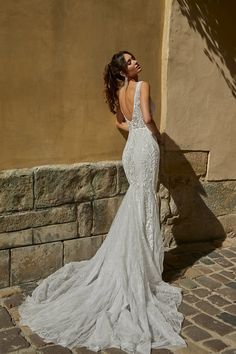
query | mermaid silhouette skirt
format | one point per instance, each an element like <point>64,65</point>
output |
<point>117,298</point>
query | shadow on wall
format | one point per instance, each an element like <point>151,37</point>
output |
<point>214,21</point>
<point>194,204</point>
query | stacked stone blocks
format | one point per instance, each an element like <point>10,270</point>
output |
<point>52,215</point>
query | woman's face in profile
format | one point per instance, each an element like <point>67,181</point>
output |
<point>133,67</point>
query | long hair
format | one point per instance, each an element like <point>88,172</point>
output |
<point>113,80</point>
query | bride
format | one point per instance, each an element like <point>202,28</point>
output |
<point>117,298</point>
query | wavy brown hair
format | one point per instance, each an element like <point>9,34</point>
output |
<point>113,80</point>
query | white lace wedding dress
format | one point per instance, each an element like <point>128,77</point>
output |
<point>117,298</point>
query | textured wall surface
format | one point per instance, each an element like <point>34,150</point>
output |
<point>53,54</point>
<point>198,82</point>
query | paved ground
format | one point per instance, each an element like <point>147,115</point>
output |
<point>205,272</point>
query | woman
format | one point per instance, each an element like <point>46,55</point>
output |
<point>124,86</point>
<point>117,298</point>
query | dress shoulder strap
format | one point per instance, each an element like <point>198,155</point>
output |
<point>137,121</point>
<point>138,92</point>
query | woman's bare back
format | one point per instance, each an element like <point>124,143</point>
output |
<point>126,99</point>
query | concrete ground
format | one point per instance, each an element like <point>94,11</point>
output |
<point>205,272</point>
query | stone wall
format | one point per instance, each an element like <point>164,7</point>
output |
<point>194,209</point>
<point>52,215</point>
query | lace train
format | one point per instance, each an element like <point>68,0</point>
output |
<point>115,299</point>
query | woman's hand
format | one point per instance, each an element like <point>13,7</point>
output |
<point>123,126</point>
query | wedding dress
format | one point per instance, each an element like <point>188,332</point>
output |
<point>117,298</point>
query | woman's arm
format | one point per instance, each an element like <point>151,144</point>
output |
<point>146,111</point>
<point>155,131</point>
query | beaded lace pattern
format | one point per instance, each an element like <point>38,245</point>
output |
<point>117,298</point>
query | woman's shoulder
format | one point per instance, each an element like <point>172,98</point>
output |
<point>145,84</point>
<point>145,88</point>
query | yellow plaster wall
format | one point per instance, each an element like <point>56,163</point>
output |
<point>53,53</point>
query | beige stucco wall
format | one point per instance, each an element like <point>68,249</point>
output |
<point>198,85</point>
<point>53,54</point>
